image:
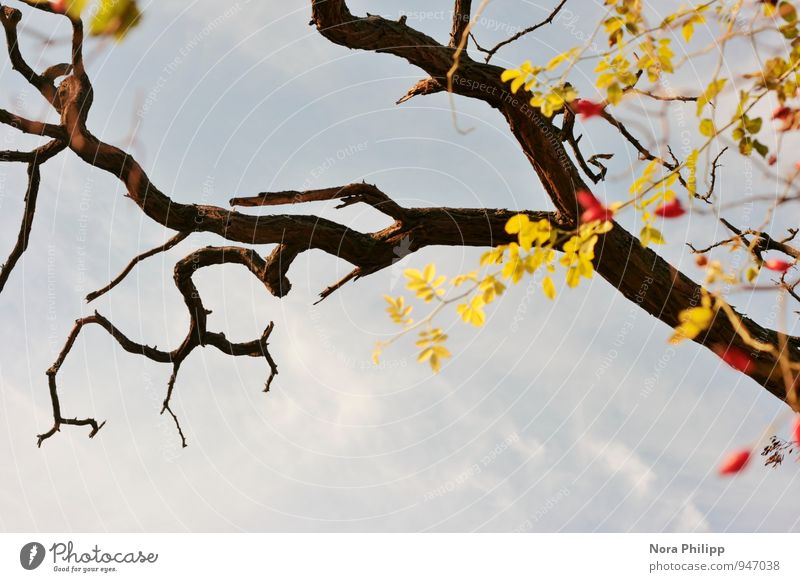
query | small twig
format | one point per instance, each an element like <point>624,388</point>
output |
<point>762,241</point>
<point>135,261</point>
<point>715,165</point>
<point>491,52</point>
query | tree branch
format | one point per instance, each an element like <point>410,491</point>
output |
<point>491,52</point>
<point>461,15</point>
<point>35,159</point>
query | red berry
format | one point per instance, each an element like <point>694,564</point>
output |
<point>735,358</point>
<point>586,108</point>
<point>777,265</point>
<point>670,209</point>
<point>596,213</point>
<point>734,462</point>
<point>796,430</point>
<point>587,199</point>
<point>594,210</point>
<point>59,6</point>
<point>781,112</point>
<point>701,260</point>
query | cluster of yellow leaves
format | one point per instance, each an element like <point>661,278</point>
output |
<point>628,18</point>
<point>425,284</point>
<point>398,310</point>
<point>656,58</point>
<point>687,29</point>
<point>533,249</point>
<point>550,99</point>
<point>694,320</point>
<point>615,75</point>
<point>714,88</point>
<point>579,252</point>
<point>651,190</point>
<point>431,343</point>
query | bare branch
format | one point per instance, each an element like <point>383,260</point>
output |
<point>135,261</point>
<point>491,52</point>
<point>349,194</point>
<point>10,18</point>
<point>35,159</point>
<point>762,241</point>
<point>198,334</point>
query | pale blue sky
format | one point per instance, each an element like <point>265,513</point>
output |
<point>567,416</point>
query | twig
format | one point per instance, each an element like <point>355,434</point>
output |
<point>491,52</point>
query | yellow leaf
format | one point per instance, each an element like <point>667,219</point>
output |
<point>688,30</point>
<point>493,257</point>
<point>691,165</point>
<point>549,288</point>
<point>573,277</point>
<point>491,288</point>
<point>516,223</point>
<point>434,356</point>
<point>650,235</point>
<point>707,128</point>
<point>693,321</point>
<point>376,353</point>
<point>473,313</point>
<point>425,284</point>
<point>461,279</point>
<point>510,74</point>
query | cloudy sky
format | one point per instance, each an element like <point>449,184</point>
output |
<point>567,416</point>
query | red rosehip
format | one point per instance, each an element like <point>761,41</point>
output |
<point>593,209</point>
<point>781,112</point>
<point>777,265</point>
<point>796,430</point>
<point>734,462</point>
<point>587,199</point>
<point>586,108</point>
<point>670,209</point>
<point>735,358</point>
<point>596,213</point>
<point>59,6</point>
<point>701,260</point>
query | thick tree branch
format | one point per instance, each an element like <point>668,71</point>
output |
<point>462,11</point>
